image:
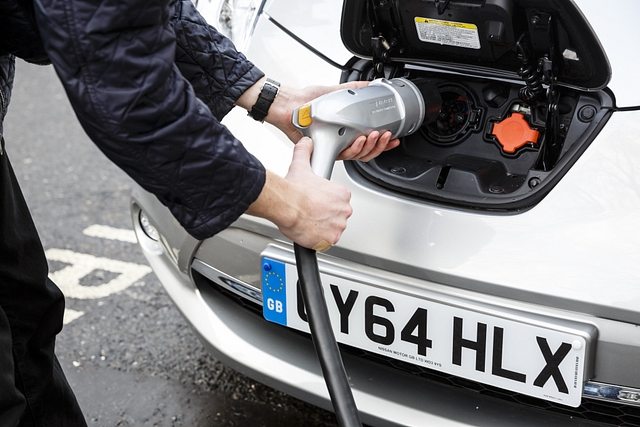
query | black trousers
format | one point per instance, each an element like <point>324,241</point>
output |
<point>33,389</point>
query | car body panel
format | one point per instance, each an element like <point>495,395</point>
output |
<point>613,336</point>
<point>566,246</point>
<point>324,34</point>
<point>287,361</point>
<point>573,232</point>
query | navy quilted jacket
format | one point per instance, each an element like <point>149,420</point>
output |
<point>150,81</point>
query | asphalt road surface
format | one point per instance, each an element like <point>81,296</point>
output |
<point>127,352</point>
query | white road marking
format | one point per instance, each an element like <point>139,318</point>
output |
<point>106,232</point>
<point>71,315</point>
<point>68,278</point>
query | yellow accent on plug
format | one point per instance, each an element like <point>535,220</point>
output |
<point>304,116</point>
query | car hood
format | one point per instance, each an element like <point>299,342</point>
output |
<point>316,23</point>
<point>479,34</point>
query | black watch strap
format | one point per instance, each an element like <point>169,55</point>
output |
<point>268,93</point>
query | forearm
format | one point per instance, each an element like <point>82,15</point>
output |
<point>275,201</point>
<point>120,76</point>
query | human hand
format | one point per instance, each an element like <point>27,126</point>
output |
<point>307,209</point>
<point>325,205</point>
<point>365,148</point>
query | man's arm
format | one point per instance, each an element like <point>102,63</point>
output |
<point>116,60</point>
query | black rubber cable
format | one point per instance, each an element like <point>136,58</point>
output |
<point>633,108</point>
<point>324,340</point>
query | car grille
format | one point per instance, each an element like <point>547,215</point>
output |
<point>607,413</point>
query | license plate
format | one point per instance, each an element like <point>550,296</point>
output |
<point>479,344</point>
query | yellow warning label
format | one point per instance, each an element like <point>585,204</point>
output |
<point>447,33</point>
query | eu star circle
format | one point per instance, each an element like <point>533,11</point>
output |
<point>273,281</point>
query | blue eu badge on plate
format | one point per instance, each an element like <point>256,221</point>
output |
<point>274,291</point>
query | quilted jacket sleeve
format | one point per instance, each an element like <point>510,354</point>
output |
<point>19,34</point>
<point>209,60</point>
<point>127,71</point>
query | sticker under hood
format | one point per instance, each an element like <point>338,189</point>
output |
<point>478,34</point>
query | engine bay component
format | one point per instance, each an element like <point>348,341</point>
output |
<point>514,132</point>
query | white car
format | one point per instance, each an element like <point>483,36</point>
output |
<point>490,273</point>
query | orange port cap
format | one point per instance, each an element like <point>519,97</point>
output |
<point>514,132</point>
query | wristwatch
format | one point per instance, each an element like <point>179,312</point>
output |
<point>268,93</point>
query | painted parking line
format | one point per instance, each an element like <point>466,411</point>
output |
<point>81,265</point>
<point>106,232</point>
<point>71,315</point>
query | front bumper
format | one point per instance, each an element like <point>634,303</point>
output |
<point>285,359</point>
